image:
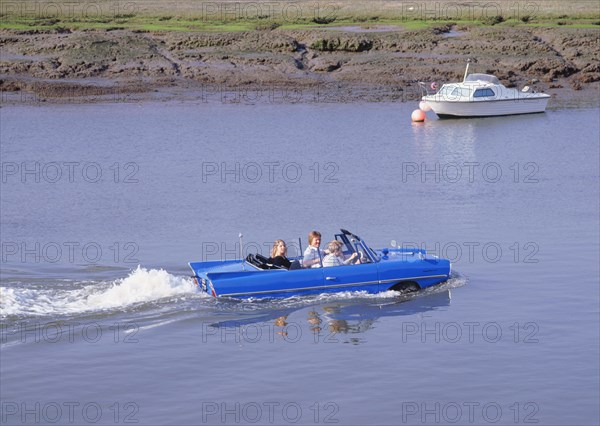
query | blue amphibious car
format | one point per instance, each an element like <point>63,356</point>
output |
<point>379,270</point>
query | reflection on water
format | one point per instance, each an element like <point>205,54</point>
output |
<point>463,134</point>
<point>354,316</point>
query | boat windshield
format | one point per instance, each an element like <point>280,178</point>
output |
<point>446,90</point>
<point>483,77</point>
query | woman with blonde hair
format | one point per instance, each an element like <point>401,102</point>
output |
<point>278,255</point>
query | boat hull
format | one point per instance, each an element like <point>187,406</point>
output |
<point>450,109</point>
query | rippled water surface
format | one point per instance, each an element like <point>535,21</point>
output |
<point>102,206</point>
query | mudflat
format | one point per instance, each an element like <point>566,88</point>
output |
<point>367,58</point>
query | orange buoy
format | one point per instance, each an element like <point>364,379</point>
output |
<point>418,116</point>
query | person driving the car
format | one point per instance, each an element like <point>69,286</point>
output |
<point>336,257</point>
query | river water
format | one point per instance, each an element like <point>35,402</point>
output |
<point>103,205</point>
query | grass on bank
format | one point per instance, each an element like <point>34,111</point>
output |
<point>187,25</point>
<point>248,15</point>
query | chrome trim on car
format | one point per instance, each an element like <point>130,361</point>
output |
<point>412,278</point>
<point>332,286</point>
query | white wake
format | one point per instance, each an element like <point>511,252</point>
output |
<point>141,286</point>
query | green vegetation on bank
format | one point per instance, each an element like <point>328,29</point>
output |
<point>247,15</point>
<point>199,25</point>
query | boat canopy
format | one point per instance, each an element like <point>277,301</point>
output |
<point>483,77</point>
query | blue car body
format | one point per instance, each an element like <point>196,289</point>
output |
<point>379,270</point>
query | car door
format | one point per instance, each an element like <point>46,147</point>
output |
<point>361,277</point>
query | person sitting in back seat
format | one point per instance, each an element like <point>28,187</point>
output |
<point>278,255</point>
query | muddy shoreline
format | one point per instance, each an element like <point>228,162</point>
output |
<point>335,65</point>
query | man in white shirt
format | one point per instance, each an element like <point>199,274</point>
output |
<point>313,255</point>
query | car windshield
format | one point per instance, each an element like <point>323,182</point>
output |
<point>373,253</point>
<point>354,244</point>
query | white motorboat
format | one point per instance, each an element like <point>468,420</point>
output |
<point>482,95</point>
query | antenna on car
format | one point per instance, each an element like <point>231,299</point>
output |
<point>241,236</point>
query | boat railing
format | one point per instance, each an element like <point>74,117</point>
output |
<point>426,89</point>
